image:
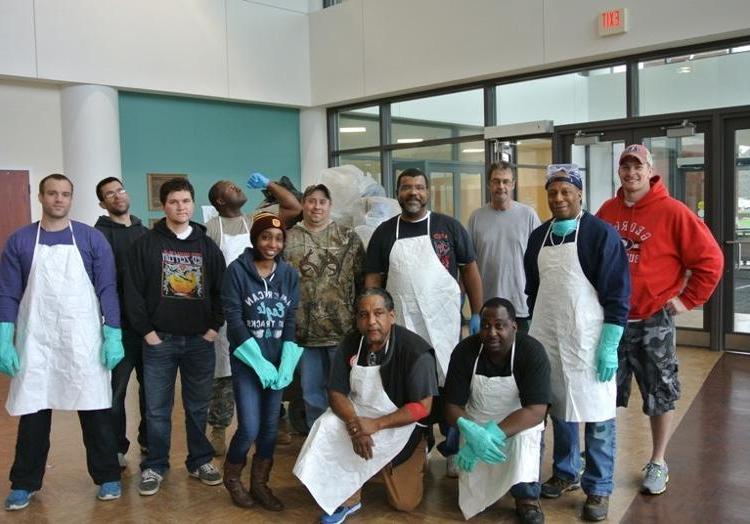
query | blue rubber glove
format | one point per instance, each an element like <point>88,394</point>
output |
<point>290,355</point>
<point>257,181</point>
<point>8,354</point>
<point>485,446</point>
<point>249,353</point>
<point>606,354</point>
<point>112,349</point>
<point>474,323</point>
<point>466,460</point>
<point>563,227</point>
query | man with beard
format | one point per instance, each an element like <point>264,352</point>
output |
<point>121,229</point>
<point>418,256</point>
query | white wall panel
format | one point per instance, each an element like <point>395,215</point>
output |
<point>571,26</point>
<point>337,53</point>
<point>17,53</point>
<point>269,54</point>
<point>431,42</point>
<point>166,45</point>
<point>31,136</point>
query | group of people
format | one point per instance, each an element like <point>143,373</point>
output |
<point>563,314</point>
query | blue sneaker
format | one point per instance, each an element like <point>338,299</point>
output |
<point>18,499</point>
<point>340,514</point>
<point>109,491</point>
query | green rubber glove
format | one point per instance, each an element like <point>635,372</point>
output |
<point>290,355</point>
<point>8,354</point>
<point>249,353</point>
<point>466,460</point>
<point>495,431</point>
<point>563,227</point>
<point>112,350</point>
<point>485,446</point>
<point>606,354</point>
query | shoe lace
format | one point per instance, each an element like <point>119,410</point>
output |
<point>208,468</point>
<point>653,471</point>
<point>150,474</point>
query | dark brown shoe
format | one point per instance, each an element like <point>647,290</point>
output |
<point>596,508</point>
<point>259,473</point>
<point>232,482</point>
<point>530,513</point>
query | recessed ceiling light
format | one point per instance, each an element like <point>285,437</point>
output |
<point>352,129</point>
<point>684,70</point>
<point>473,150</point>
<point>409,140</point>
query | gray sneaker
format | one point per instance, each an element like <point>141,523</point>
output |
<point>150,482</point>
<point>208,474</point>
<point>656,478</point>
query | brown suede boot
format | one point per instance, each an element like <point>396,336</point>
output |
<point>259,489</point>
<point>232,482</point>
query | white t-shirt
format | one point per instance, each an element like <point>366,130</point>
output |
<point>500,239</point>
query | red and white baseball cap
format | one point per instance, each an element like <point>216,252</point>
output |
<point>639,152</point>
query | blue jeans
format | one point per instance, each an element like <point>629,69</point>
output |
<point>316,366</point>
<point>257,414</point>
<point>133,359</point>
<point>598,477</point>
<point>195,358</point>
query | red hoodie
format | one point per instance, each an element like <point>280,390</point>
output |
<point>663,240</point>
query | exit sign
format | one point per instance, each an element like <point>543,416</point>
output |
<point>613,22</point>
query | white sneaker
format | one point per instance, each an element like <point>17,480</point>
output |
<point>122,460</point>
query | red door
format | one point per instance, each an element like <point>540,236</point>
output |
<point>15,208</point>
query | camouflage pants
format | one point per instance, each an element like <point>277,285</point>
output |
<point>221,409</point>
<point>647,350</point>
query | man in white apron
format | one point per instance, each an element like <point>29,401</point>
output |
<point>382,383</point>
<point>499,377</point>
<point>121,229</point>
<point>419,254</point>
<point>329,258</point>
<point>231,232</point>
<point>579,294</point>
<point>57,280</point>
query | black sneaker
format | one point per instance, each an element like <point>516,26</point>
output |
<point>596,508</point>
<point>556,486</point>
<point>530,514</point>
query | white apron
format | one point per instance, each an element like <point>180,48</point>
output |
<point>327,464</point>
<point>427,298</point>
<point>568,321</point>
<point>232,246</point>
<point>59,336</point>
<point>494,398</point>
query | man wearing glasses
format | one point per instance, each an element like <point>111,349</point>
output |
<point>121,229</point>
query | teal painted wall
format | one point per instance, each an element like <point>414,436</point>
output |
<point>206,139</point>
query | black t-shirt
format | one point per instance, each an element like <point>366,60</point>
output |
<point>405,380</point>
<point>450,240</point>
<point>530,369</point>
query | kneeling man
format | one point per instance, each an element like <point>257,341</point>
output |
<point>383,378</point>
<point>496,392</point>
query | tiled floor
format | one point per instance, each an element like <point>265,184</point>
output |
<point>69,495</point>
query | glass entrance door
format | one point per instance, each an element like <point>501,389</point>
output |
<point>679,161</point>
<point>737,247</point>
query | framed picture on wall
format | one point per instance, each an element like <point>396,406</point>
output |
<point>154,181</point>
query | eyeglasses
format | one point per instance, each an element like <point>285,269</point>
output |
<point>109,195</point>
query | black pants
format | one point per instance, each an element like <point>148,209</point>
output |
<point>133,359</point>
<point>32,447</point>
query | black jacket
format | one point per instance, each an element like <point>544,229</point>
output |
<point>121,237</point>
<point>173,285</point>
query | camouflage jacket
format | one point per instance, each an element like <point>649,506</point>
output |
<point>330,267</point>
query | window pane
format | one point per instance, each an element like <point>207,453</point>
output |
<point>369,163</point>
<point>455,172</point>
<point>531,158</point>
<point>444,116</point>
<point>585,96</point>
<point>359,128</point>
<point>717,78</point>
